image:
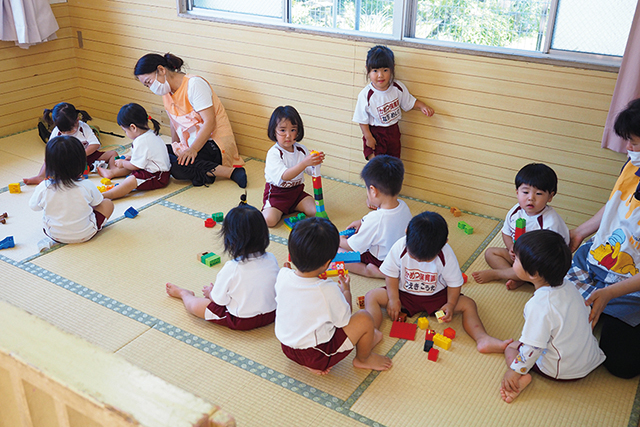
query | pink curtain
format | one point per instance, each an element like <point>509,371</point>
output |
<point>627,86</point>
<point>27,22</point>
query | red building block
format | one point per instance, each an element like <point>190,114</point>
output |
<point>209,223</point>
<point>402,317</point>
<point>361,302</point>
<point>429,334</point>
<point>433,355</point>
<point>449,333</point>
<point>464,278</point>
<point>402,330</point>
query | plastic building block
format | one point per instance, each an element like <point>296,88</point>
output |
<point>429,334</point>
<point>348,232</point>
<point>402,317</point>
<point>347,257</point>
<point>335,269</point>
<point>403,330</point>
<point>7,242</point>
<point>428,345</point>
<point>465,227</point>
<point>218,217</point>
<point>439,316</point>
<point>449,333</point>
<point>521,227</point>
<point>105,181</point>
<point>423,323</point>
<point>209,259</point>
<point>464,278</point>
<point>361,302</point>
<point>433,355</point>
<point>290,222</point>
<point>131,212</point>
<point>103,188</point>
<point>209,223</point>
<point>442,341</point>
<point>14,188</point>
<point>455,211</point>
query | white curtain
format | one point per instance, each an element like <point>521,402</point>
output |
<point>27,22</point>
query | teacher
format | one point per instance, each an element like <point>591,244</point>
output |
<point>605,268</point>
<point>202,143</point>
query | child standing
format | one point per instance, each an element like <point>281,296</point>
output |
<point>556,341</point>
<point>536,184</point>
<point>380,229</point>
<point>313,316</point>
<point>243,296</point>
<point>423,274</point>
<point>284,169</point>
<point>379,105</point>
<point>74,209</point>
<point>148,163</point>
<point>65,117</point>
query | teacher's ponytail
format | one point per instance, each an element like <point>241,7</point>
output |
<point>149,63</point>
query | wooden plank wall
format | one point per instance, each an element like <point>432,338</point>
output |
<point>493,116</point>
<point>39,77</point>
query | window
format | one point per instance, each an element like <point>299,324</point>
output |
<point>544,26</point>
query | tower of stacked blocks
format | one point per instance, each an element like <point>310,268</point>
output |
<point>521,227</point>
<point>317,192</point>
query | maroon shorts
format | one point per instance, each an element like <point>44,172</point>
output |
<point>93,157</point>
<point>367,258</point>
<point>100,219</point>
<point>322,356</point>
<point>387,141</point>
<point>417,303</point>
<point>152,180</point>
<point>283,199</point>
<point>239,323</point>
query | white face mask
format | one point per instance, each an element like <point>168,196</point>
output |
<point>160,88</point>
<point>634,156</point>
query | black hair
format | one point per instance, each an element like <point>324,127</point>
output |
<point>381,57</point>
<point>135,114</point>
<point>244,232</point>
<point>64,116</point>
<point>427,233</point>
<point>538,175</point>
<point>384,172</point>
<point>628,121</point>
<point>313,242</point>
<point>150,62</point>
<point>65,160</point>
<point>285,113</point>
<point>544,252</point>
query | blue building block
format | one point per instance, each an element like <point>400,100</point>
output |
<point>348,232</point>
<point>131,212</point>
<point>290,222</point>
<point>346,257</point>
<point>7,242</point>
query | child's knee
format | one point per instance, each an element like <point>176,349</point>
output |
<point>376,296</point>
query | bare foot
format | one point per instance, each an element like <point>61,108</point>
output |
<point>491,344</point>
<point>105,173</point>
<point>34,180</point>
<point>318,371</point>
<point>177,291</point>
<point>514,284</point>
<point>485,276</point>
<point>509,396</point>
<point>374,361</point>
<point>377,337</point>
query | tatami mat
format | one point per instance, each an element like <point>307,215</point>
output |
<point>110,291</point>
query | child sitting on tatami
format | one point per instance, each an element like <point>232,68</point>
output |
<point>536,184</point>
<point>314,323</point>
<point>423,274</point>
<point>243,296</point>
<point>380,229</point>
<point>556,341</point>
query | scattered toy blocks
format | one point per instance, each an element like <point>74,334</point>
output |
<point>348,232</point>
<point>449,333</point>
<point>209,259</point>
<point>15,188</point>
<point>290,222</point>
<point>218,217</point>
<point>428,345</point>
<point>464,278</point>
<point>433,355</point>
<point>439,315</point>
<point>131,212</point>
<point>442,341</point>
<point>465,227</point>
<point>335,269</point>
<point>403,330</point>
<point>521,227</point>
<point>7,242</point>
<point>361,302</point>
<point>455,211</point>
<point>103,188</point>
<point>105,181</point>
<point>347,257</point>
<point>402,317</point>
<point>429,334</point>
<point>423,323</point>
<point>209,223</point>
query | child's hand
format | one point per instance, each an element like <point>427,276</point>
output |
<point>512,255</point>
<point>314,159</point>
<point>371,142</point>
<point>448,312</point>
<point>344,282</point>
<point>393,309</point>
<point>427,111</point>
<point>355,224</point>
<point>206,290</point>
<point>510,381</point>
<point>118,163</point>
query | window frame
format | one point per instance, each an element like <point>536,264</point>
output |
<point>402,35</point>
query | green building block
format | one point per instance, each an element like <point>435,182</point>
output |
<point>210,259</point>
<point>218,217</point>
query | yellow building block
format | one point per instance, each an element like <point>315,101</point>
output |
<point>442,341</point>
<point>439,316</point>
<point>423,323</point>
<point>14,188</point>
